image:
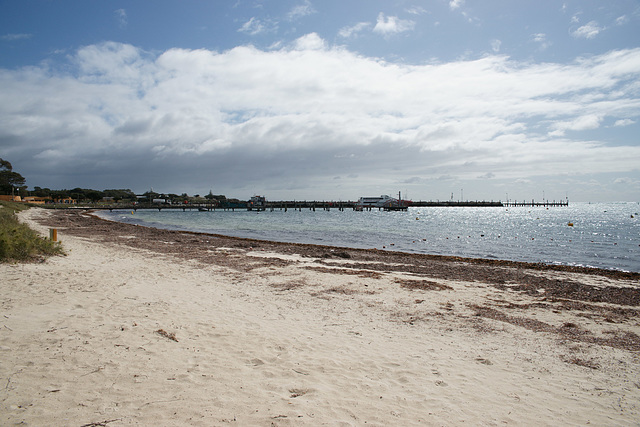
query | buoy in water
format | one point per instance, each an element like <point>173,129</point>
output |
<point>570,224</point>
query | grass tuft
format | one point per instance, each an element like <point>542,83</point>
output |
<point>18,242</point>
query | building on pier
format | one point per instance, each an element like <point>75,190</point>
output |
<point>257,203</point>
<point>383,202</point>
<point>373,202</point>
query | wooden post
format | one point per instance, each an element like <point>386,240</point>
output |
<point>53,234</point>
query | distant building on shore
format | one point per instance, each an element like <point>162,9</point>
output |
<point>36,200</point>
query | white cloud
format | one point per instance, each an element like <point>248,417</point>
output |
<point>586,122</point>
<point>627,181</point>
<point>252,26</point>
<point>312,111</point>
<point>392,25</point>
<point>310,42</point>
<point>12,37</point>
<point>456,4</point>
<point>495,45</point>
<point>621,20</point>
<point>353,31</point>
<point>588,31</point>
<point>121,16</point>
<point>624,122</point>
<point>301,10</point>
<point>541,39</point>
<point>417,10</point>
<point>255,26</point>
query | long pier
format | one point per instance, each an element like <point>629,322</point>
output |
<point>545,203</point>
<point>310,205</point>
<point>452,203</point>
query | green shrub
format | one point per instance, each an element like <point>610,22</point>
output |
<point>18,242</point>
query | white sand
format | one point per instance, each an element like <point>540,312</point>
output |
<point>283,346</point>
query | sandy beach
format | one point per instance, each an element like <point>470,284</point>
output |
<point>138,326</point>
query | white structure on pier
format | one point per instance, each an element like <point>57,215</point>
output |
<point>375,202</point>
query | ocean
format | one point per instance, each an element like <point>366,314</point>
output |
<point>603,235</point>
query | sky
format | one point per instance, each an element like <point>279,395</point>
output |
<point>325,100</point>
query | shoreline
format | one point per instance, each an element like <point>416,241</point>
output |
<point>147,326</point>
<point>479,258</point>
<point>611,272</point>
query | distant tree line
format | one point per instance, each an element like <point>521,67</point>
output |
<point>84,195</point>
<point>12,183</point>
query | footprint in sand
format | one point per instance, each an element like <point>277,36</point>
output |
<point>256,362</point>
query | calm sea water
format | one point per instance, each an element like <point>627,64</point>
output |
<point>602,235</point>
